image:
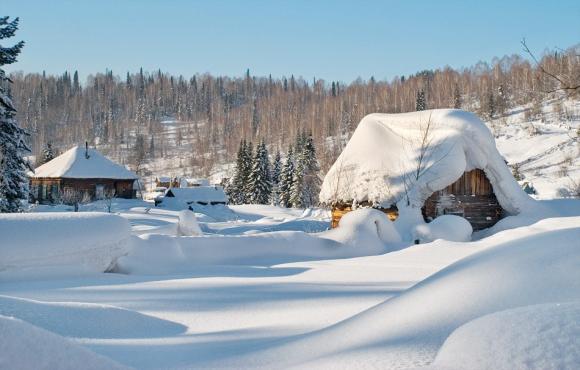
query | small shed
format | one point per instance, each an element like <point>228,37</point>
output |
<point>82,171</point>
<point>199,195</point>
<point>441,161</point>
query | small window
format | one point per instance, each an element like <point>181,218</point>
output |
<point>99,191</point>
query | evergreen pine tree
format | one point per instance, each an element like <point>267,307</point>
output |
<point>47,154</point>
<point>286,178</point>
<point>248,164</point>
<point>259,180</point>
<point>311,181</point>
<point>456,98</point>
<point>490,105</point>
<point>276,172</point>
<point>13,166</point>
<point>421,102</point>
<point>236,186</point>
<point>305,181</point>
<point>501,100</point>
<point>297,188</point>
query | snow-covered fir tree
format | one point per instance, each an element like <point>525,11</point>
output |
<point>457,98</point>
<point>260,181</point>
<point>236,188</point>
<point>276,172</point>
<point>13,166</point>
<point>421,102</point>
<point>297,189</point>
<point>311,180</point>
<point>47,154</point>
<point>490,105</point>
<point>305,181</point>
<point>286,178</point>
<point>247,167</point>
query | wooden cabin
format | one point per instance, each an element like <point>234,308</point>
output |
<point>378,168</point>
<point>84,172</point>
<point>470,197</point>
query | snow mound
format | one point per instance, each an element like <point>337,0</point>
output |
<point>187,225</point>
<point>83,241</point>
<point>87,320</point>
<point>364,227</point>
<point>23,346</point>
<point>446,227</point>
<point>363,232</point>
<point>539,337</point>
<point>368,169</point>
<point>75,163</point>
<point>528,266</point>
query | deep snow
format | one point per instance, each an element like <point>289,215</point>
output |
<point>544,337</point>
<point>244,296</point>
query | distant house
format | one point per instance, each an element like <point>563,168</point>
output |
<point>166,182</point>
<point>187,182</point>
<point>199,195</point>
<point>441,161</point>
<point>82,171</point>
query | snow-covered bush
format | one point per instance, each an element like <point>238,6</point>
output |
<point>447,227</point>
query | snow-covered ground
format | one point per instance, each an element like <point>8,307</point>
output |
<point>546,150</point>
<point>266,287</point>
<point>272,296</point>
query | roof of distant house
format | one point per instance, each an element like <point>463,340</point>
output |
<point>80,163</point>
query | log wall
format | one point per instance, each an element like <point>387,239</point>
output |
<point>47,190</point>
<point>340,210</point>
<point>470,197</point>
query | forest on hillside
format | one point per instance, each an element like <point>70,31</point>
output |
<point>118,113</point>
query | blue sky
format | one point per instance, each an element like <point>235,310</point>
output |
<point>334,40</point>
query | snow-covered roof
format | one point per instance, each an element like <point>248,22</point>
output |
<point>164,179</point>
<point>185,182</point>
<point>381,161</point>
<point>206,194</point>
<point>75,164</point>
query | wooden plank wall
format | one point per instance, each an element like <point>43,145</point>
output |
<point>123,188</point>
<point>471,197</point>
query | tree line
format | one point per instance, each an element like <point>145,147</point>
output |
<point>259,180</point>
<point>117,114</point>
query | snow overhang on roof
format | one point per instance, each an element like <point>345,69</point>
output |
<point>80,163</point>
<point>411,155</point>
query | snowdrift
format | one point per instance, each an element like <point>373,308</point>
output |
<point>380,161</point>
<point>52,241</point>
<point>24,346</point>
<point>539,337</point>
<point>364,232</point>
<point>528,266</point>
<point>87,320</point>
